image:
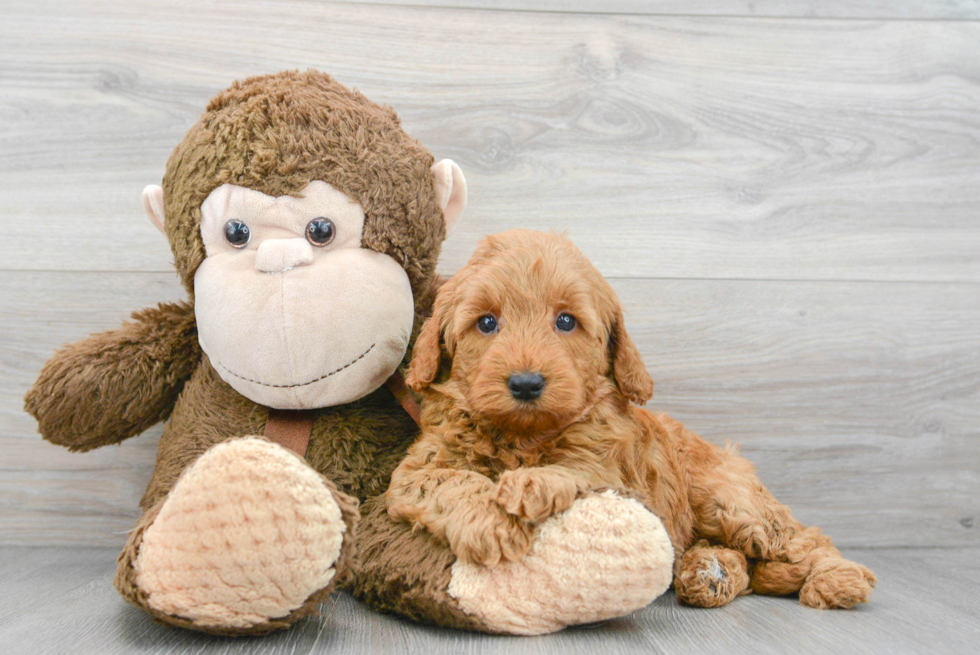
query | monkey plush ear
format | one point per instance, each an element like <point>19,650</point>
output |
<point>450,190</point>
<point>153,205</point>
<point>628,368</point>
<point>427,351</point>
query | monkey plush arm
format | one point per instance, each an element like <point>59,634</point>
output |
<point>116,384</point>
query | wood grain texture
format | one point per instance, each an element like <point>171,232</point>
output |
<point>892,9</point>
<point>859,402</point>
<point>686,147</point>
<point>42,485</point>
<point>62,600</point>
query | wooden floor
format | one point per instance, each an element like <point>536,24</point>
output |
<point>786,196</point>
<point>926,603</point>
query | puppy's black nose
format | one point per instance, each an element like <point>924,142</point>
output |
<point>526,386</point>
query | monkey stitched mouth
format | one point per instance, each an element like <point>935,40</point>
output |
<point>301,384</point>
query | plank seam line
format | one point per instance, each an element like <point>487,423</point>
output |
<point>662,15</point>
<point>974,547</point>
<point>650,278</point>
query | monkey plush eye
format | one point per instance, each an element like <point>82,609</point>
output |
<point>565,323</point>
<point>320,231</point>
<point>237,233</point>
<point>487,324</point>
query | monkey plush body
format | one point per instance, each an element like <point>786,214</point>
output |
<point>305,225</point>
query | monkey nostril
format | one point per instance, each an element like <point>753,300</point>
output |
<point>526,386</point>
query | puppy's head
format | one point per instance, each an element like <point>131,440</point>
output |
<point>533,332</point>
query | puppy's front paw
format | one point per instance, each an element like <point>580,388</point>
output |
<point>492,539</point>
<point>536,493</point>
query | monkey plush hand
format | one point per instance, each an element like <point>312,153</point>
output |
<point>305,225</point>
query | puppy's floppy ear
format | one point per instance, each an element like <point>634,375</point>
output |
<point>427,353</point>
<point>628,369</point>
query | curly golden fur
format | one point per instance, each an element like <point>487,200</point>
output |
<point>489,466</point>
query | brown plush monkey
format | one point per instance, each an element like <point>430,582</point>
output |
<point>305,224</point>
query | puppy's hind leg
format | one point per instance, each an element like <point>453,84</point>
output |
<point>711,576</point>
<point>735,509</point>
<point>823,578</point>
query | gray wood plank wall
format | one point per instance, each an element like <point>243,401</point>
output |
<point>788,209</point>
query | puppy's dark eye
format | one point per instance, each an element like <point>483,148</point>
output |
<point>487,324</point>
<point>237,233</point>
<point>320,231</point>
<point>565,323</point>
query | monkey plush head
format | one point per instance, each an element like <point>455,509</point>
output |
<point>306,224</point>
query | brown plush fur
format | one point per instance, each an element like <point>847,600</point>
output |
<point>273,134</point>
<point>115,385</point>
<point>406,571</point>
<point>488,467</point>
<point>277,133</point>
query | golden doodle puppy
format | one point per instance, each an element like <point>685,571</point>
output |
<point>529,375</point>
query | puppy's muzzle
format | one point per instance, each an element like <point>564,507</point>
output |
<point>526,386</point>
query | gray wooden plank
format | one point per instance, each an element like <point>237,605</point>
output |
<point>42,484</point>
<point>685,147</point>
<point>62,600</point>
<point>59,600</point>
<point>846,9</point>
<point>859,402</point>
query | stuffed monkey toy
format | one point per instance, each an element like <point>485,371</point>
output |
<point>305,226</point>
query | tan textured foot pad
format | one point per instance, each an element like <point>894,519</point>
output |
<point>248,534</point>
<point>604,557</point>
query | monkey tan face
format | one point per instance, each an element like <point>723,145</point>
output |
<point>291,310</point>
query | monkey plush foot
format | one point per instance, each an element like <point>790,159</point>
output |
<point>604,557</point>
<point>249,540</point>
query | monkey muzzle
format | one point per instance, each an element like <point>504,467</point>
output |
<point>293,332</point>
